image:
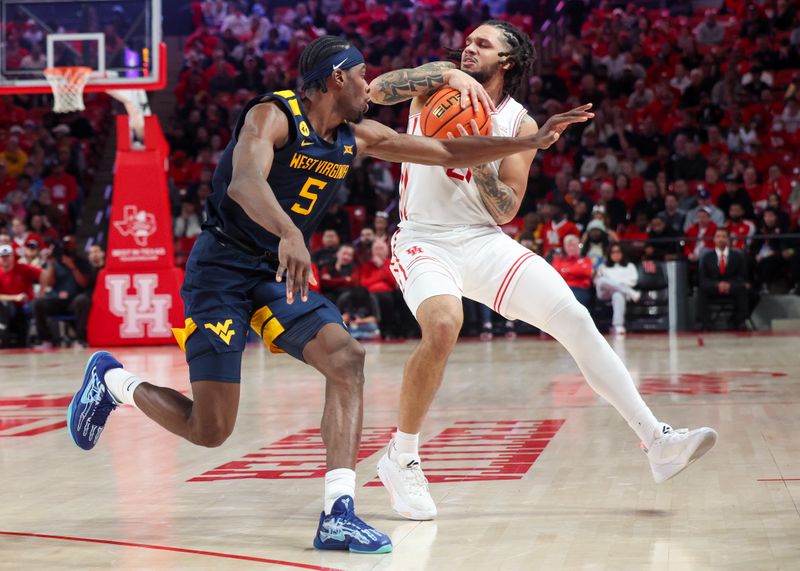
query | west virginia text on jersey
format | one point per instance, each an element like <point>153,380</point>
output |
<point>305,176</point>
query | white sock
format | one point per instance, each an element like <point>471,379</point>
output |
<point>339,482</point>
<point>646,426</point>
<point>121,384</point>
<point>406,443</point>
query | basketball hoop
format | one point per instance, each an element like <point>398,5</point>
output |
<point>67,84</point>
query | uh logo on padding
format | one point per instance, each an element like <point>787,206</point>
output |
<point>143,308</point>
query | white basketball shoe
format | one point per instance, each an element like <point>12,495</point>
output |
<point>673,450</point>
<point>402,476</point>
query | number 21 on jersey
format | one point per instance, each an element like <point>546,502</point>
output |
<point>308,192</point>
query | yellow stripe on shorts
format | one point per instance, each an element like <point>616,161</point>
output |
<point>268,327</point>
<point>182,334</point>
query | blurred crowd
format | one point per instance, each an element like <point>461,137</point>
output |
<point>697,128</point>
<point>696,124</point>
<point>48,164</point>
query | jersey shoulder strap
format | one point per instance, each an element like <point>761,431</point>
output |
<point>289,102</point>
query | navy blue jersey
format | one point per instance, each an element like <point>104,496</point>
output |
<point>306,176</point>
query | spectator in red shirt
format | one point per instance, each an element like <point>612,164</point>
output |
<point>182,169</point>
<point>22,236</point>
<point>713,184</point>
<point>636,235</point>
<point>375,274</point>
<point>751,184</point>
<point>16,289</point>
<point>559,157</point>
<point>703,230</point>
<point>715,141</point>
<point>740,230</point>
<point>575,269</point>
<point>341,275</point>
<point>555,230</point>
<point>63,186</point>
<point>41,226</point>
<point>378,280</point>
<point>776,183</point>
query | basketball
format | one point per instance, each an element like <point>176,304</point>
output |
<point>442,114</point>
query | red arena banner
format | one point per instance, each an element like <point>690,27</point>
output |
<point>140,232</point>
<point>137,296</point>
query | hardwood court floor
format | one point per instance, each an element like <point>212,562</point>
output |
<point>529,468</point>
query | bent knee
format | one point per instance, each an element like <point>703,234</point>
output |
<point>347,363</point>
<point>212,435</point>
<point>441,329</point>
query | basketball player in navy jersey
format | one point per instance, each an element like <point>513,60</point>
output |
<point>449,245</point>
<point>287,158</point>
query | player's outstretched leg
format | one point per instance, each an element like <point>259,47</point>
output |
<point>88,412</point>
<point>558,313</point>
<point>340,358</point>
<point>207,420</point>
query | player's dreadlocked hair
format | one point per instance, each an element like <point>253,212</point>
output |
<point>521,55</point>
<point>315,53</point>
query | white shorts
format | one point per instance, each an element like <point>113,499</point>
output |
<point>478,262</point>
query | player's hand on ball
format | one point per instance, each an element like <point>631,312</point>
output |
<point>295,261</point>
<point>557,124</point>
<point>471,90</point>
<point>473,125</point>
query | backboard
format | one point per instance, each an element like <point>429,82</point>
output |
<point>120,40</point>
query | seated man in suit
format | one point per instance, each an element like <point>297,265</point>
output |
<point>722,273</point>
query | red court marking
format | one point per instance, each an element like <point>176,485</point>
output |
<point>299,455</point>
<point>176,549</point>
<point>8,426</point>
<point>778,480</point>
<point>482,451</point>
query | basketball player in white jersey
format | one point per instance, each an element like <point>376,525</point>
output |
<point>449,245</point>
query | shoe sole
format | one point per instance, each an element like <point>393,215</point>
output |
<point>379,551</point>
<point>703,447</point>
<point>397,505</point>
<point>382,549</point>
<point>76,398</point>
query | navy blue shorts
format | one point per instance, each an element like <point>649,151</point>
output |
<point>227,291</point>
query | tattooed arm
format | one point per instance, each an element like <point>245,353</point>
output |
<point>502,192</point>
<point>404,84</point>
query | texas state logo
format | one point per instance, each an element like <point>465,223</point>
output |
<point>139,224</point>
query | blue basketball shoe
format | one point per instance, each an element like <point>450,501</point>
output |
<point>91,405</point>
<point>343,530</point>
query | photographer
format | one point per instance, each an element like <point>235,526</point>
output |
<point>70,275</point>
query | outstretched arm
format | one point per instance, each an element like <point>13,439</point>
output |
<point>266,127</point>
<point>379,141</point>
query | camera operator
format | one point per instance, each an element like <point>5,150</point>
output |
<point>70,275</point>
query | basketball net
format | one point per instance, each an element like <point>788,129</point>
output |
<point>67,84</point>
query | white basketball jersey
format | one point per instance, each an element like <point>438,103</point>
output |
<point>448,197</point>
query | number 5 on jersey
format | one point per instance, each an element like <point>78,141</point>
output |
<point>308,192</point>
